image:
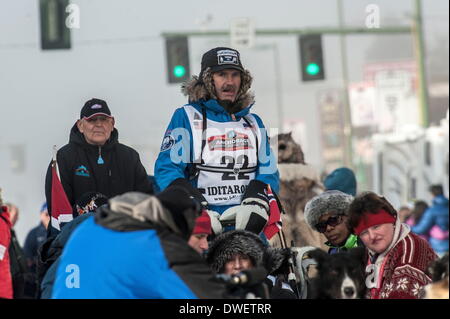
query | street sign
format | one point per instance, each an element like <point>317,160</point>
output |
<point>362,102</point>
<point>242,33</point>
<point>332,123</point>
<point>396,100</point>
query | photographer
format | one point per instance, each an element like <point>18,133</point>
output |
<point>238,254</point>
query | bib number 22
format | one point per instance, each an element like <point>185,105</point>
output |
<point>229,160</point>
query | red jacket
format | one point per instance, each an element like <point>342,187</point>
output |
<point>6,290</point>
<point>403,271</point>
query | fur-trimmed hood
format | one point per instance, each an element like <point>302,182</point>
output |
<point>197,89</point>
<point>247,243</point>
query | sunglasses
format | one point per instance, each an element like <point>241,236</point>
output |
<point>332,221</point>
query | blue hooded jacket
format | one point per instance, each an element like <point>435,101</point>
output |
<point>113,255</point>
<point>436,215</point>
<point>341,179</point>
<point>166,171</point>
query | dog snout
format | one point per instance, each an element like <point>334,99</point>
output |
<point>349,292</point>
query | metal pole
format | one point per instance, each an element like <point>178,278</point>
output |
<point>278,86</point>
<point>420,60</point>
<point>304,31</point>
<point>347,113</point>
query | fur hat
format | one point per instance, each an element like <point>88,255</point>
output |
<point>234,242</point>
<point>329,201</point>
<point>247,243</point>
<point>341,179</point>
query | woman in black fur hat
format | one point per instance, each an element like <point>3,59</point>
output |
<point>235,251</point>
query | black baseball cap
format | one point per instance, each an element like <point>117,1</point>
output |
<point>95,107</point>
<point>221,58</point>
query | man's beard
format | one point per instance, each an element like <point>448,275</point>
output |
<point>230,106</point>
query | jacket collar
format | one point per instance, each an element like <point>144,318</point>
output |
<point>213,105</point>
<point>351,242</point>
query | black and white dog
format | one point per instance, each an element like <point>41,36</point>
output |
<point>339,276</point>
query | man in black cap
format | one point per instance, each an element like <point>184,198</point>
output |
<point>216,148</point>
<point>95,161</point>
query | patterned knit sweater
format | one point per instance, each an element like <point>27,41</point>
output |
<point>400,272</point>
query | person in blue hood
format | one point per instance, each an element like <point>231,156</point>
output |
<point>216,147</point>
<point>435,221</point>
<point>341,179</point>
<point>136,247</point>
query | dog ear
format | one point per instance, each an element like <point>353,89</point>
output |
<point>431,270</point>
<point>276,260</point>
<point>438,269</point>
<point>319,255</point>
<point>359,253</point>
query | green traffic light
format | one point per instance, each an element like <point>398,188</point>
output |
<point>312,69</point>
<point>179,71</point>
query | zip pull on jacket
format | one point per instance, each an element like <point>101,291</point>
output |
<point>100,160</point>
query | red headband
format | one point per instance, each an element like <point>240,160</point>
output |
<point>202,224</point>
<point>368,220</point>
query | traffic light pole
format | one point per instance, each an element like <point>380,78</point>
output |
<point>296,32</point>
<point>347,112</point>
<point>420,58</point>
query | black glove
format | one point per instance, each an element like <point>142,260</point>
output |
<point>194,192</point>
<point>256,191</point>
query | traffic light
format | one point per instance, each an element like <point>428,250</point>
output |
<point>177,56</point>
<point>311,57</point>
<point>54,32</point>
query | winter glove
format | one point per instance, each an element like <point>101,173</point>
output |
<point>256,190</point>
<point>251,215</point>
<point>216,226</point>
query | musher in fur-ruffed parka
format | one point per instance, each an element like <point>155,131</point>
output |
<point>219,150</point>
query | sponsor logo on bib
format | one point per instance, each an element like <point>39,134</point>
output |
<point>231,141</point>
<point>226,190</point>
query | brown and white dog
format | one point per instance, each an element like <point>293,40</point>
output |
<point>299,182</point>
